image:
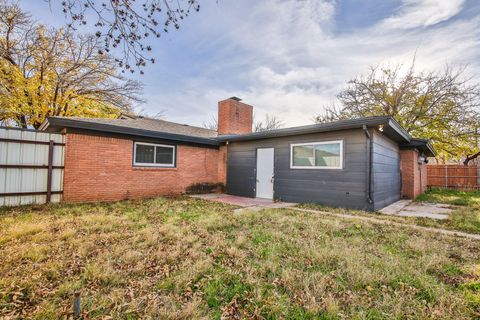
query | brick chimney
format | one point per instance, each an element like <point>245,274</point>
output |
<point>234,116</point>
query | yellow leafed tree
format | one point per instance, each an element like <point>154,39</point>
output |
<point>49,72</point>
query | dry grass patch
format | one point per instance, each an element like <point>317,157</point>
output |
<point>465,216</point>
<point>182,258</point>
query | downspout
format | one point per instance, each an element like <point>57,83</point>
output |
<point>420,167</point>
<point>369,164</point>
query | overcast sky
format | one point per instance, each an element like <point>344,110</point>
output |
<point>290,58</point>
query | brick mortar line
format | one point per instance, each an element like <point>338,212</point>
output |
<point>393,223</point>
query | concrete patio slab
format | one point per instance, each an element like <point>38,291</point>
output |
<point>255,204</point>
<point>395,207</point>
<point>408,208</point>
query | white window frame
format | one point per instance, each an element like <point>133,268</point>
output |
<point>154,164</point>
<point>316,143</point>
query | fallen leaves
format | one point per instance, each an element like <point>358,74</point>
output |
<point>151,259</point>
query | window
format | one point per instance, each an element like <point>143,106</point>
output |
<point>153,155</point>
<point>317,155</point>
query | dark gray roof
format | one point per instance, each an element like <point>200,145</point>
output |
<point>150,124</point>
<point>161,129</point>
<point>143,127</point>
<point>391,128</point>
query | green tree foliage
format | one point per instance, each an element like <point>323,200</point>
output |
<point>440,106</point>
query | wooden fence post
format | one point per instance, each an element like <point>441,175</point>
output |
<point>50,171</point>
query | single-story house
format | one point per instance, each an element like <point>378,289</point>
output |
<point>364,163</point>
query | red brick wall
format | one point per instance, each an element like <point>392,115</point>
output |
<point>414,176</point>
<point>407,168</point>
<point>100,169</point>
<point>234,117</point>
<point>424,180</point>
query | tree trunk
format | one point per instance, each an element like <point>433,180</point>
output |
<point>23,122</point>
<point>470,158</point>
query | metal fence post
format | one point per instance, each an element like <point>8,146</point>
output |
<point>50,171</point>
<point>446,176</point>
<point>76,306</point>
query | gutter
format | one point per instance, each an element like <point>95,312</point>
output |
<point>395,131</point>
<point>423,145</point>
<point>315,128</point>
<point>369,163</point>
<point>392,123</point>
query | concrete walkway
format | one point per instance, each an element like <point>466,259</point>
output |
<point>393,223</point>
<point>408,208</point>
<point>255,204</point>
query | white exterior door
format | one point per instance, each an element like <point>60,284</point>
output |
<point>265,173</point>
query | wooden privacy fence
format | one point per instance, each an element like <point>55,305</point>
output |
<point>453,176</point>
<point>31,166</point>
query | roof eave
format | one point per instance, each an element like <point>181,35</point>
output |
<point>44,125</point>
<point>431,149</point>
<point>108,128</point>
<point>423,145</point>
<point>403,134</point>
<point>396,130</point>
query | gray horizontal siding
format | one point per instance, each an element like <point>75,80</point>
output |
<point>342,188</point>
<point>386,171</point>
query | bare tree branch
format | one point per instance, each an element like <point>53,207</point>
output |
<point>212,124</point>
<point>270,122</point>
<point>125,26</point>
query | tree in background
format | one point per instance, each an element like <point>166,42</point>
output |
<point>212,124</point>
<point>125,26</point>
<point>270,123</point>
<point>49,72</point>
<point>440,106</point>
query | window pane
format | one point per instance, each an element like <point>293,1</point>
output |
<point>303,156</point>
<point>327,155</point>
<point>164,155</point>
<point>144,153</point>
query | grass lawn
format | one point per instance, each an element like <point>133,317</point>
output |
<point>465,217</point>
<point>188,258</point>
<point>453,197</point>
